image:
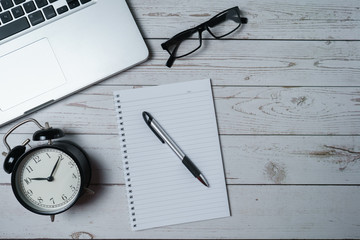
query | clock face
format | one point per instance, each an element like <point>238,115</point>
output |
<point>47,181</point>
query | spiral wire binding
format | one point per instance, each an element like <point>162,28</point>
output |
<point>125,163</point>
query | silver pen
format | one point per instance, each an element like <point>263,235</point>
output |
<point>165,138</point>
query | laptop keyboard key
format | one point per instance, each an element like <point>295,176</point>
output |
<point>29,7</point>
<point>41,3</point>
<point>49,12</point>
<point>36,18</point>
<point>73,3</point>
<point>6,4</point>
<point>6,17</point>
<point>13,28</point>
<point>17,11</point>
<point>62,9</point>
<point>84,1</point>
<point>18,1</point>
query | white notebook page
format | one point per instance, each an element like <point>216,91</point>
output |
<point>160,189</point>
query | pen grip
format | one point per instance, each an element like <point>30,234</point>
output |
<point>191,166</point>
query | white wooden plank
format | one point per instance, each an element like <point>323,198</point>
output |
<point>323,111</point>
<point>240,110</point>
<point>247,159</point>
<point>291,159</point>
<point>253,63</point>
<point>269,212</point>
<point>268,19</point>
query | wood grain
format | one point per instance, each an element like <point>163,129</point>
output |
<point>253,63</point>
<point>268,19</point>
<point>248,159</point>
<point>240,110</point>
<point>257,212</point>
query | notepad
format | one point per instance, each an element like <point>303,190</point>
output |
<point>160,189</point>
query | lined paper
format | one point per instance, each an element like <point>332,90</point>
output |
<point>160,189</point>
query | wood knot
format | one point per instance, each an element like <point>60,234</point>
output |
<point>291,64</point>
<point>275,172</point>
<point>82,235</point>
<point>299,100</point>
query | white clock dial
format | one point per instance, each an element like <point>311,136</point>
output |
<point>48,180</point>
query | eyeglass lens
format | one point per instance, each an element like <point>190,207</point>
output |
<point>187,42</point>
<point>224,23</point>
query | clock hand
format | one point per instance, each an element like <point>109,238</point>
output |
<point>38,178</point>
<point>51,178</point>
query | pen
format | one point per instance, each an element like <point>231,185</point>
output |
<point>165,138</point>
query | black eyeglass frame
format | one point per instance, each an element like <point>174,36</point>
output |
<point>178,38</point>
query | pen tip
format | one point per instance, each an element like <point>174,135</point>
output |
<point>202,179</point>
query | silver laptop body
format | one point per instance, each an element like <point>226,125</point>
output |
<point>89,41</point>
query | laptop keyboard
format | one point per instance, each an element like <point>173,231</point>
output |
<point>17,16</point>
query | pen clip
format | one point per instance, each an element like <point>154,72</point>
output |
<point>148,119</point>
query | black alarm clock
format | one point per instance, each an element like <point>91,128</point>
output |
<point>47,179</point>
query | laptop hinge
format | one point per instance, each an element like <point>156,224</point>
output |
<point>39,107</point>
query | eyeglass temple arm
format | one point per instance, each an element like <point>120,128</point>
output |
<point>171,59</point>
<point>243,20</point>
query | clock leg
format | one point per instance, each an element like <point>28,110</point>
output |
<point>52,217</point>
<point>89,191</point>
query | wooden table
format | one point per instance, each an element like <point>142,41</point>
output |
<point>287,96</point>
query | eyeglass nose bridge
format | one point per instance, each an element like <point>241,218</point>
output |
<point>202,27</point>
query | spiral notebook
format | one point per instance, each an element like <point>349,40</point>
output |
<point>160,189</point>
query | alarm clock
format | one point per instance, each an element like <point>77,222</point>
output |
<point>47,179</point>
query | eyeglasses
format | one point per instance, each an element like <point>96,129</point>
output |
<point>219,26</point>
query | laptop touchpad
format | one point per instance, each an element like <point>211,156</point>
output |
<point>23,77</point>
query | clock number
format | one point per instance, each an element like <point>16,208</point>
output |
<point>29,192</point>
<point>29,169</point>
<point>37,159</point>
<point>72,188</point>
<point>52,200</point>
<point>74,176</point>
<point>61,157</point>
<point>64,197</point>
<point>71,164</point>
<point>47,154</point>
<point>27,180</point>
<point>40,199</point>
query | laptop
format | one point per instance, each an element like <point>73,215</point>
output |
<point>50,49</point>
